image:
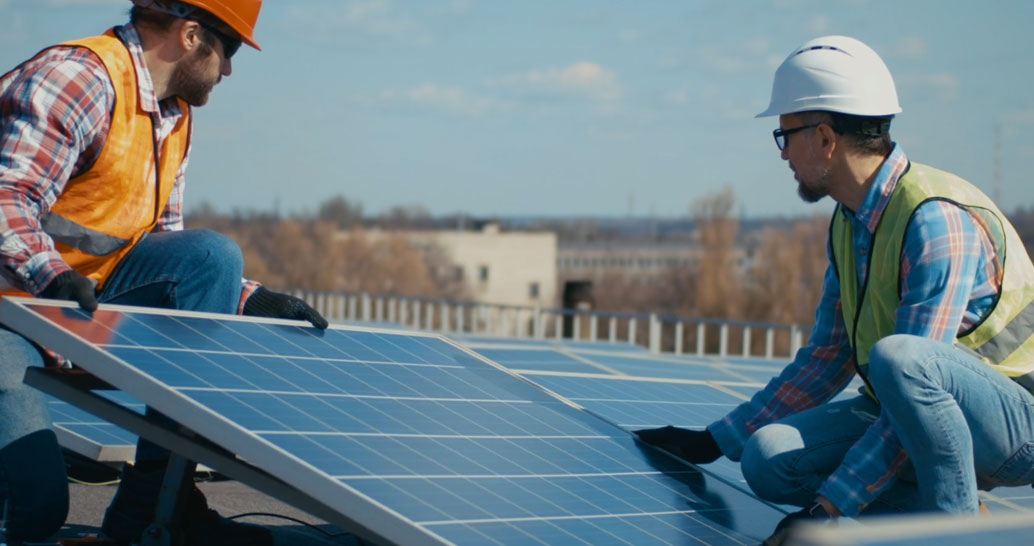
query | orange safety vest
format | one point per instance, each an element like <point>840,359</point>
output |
<point>105,211</point>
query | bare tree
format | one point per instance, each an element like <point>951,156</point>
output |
<point>341,211</point>
<point>787,272</point>
<point>717,278</point>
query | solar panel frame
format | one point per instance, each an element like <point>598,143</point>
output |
<point>183,409</point>
<point>85,434</point>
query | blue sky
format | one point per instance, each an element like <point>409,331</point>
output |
<point>569,107</point>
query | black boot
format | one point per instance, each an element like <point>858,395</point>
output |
<point>203,526</point>
<point>134,508</point>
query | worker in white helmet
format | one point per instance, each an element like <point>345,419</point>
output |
<point>929,298</point>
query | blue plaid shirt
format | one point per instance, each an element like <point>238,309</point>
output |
<point>949,283</point>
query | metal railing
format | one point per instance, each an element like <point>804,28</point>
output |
<point>660,334</point>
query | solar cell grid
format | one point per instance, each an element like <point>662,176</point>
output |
<point>407,433</point>
<point>635,404</point>
<point>539,359</point>
<point>480,341</point>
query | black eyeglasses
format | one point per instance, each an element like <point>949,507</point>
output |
<point>230,45</point>
<point>782,136</point>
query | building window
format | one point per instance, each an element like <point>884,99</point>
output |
<point>483,273</point>
<point>457,273</point>
<point>533,290</point>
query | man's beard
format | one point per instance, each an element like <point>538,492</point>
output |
<point>812,193</point>
<point>188,78</point>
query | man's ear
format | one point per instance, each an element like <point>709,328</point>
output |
<point>188,34</point>
<point>828,139</point>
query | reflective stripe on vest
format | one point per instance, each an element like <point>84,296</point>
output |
<point>1003,339</point>
<point>71,234</point>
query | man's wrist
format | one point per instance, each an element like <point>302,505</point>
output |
<point>830,509</point>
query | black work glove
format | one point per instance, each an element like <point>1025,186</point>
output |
<point>266,303</point>
<point>695,446</point>
<point>70,285</point>
<point>814,513</point>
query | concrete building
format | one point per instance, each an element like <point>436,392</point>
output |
<point>502,267</point>
<point>641,261</point>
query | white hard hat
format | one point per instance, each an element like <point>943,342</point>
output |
<point>834,74</point>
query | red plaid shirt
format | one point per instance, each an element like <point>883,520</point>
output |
<point>55,112</point>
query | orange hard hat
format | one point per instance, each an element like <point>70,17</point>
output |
<point>240,15</point>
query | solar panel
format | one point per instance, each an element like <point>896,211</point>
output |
<point>685,395</point>
<point>90,436</point>
<point>541,359</point>
<point>482,341</point>
<point>406,436</point>
<point>634,403</point>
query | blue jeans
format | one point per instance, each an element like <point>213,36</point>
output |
<point>786,462</point>
<point>33,480</point>
<point>964,426</point>
<point>196,270</point>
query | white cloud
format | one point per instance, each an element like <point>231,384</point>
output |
<point>449,99</point>
<point>942,86</point>
<point>732,65</point>
<point>688,94</point>
<point>460,7</point>
<point>13,27</point>
<point>819,24</point>
<point>629,36</point>
<point>748,56</point>
<point>789,4</point>
<point>757,45</point>
<point>679,97</point>
<point>909,47</point>
<point>360,11</point>
<point>582,79</point>
<point>1023,117</point>
<point>359,20</point>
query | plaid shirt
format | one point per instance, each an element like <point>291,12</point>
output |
<point>949,283</point>
<point>55,112</point>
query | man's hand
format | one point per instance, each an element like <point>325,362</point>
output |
<point>70,285</point>
<point>815,513</point>
<point>695,446</point>
<point>265,303</point>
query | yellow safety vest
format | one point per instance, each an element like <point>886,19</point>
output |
<point>106,210</point>
<point>1004,339</point>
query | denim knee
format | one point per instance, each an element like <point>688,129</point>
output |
<point>226,259</point>
<point>762,458</point>
<point>891,357</point>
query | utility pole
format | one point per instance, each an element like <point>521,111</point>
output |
<point>997,158</point>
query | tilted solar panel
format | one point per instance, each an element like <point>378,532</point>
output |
<point>91,437</point>
<point>411,436</point>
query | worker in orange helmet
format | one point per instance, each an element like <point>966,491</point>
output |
<point>94,141</point>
